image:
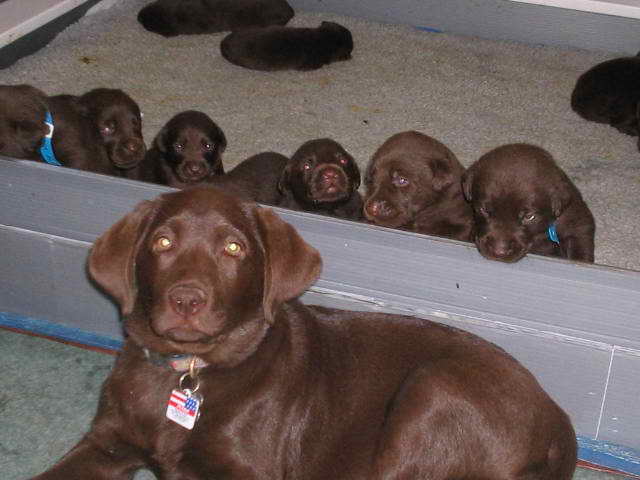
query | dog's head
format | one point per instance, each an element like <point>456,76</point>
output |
<point>338,39</point>
<point>517,192</point>
<point>320,174</point>
<point>409,173</point>
<point>192,145</point>
<point>119,121</point>
<point>22,121</point>
<point>199,272</point>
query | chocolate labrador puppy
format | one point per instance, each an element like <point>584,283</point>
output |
<point>255,179</point>
<point>609,93</point>
<point>225,374</point>
<point>34,126</point>
<point>288,48</point>
<point>118,119</point>
<point>322,177</point>
<point>187,17</point>
<point>413,183</point>
<point>187,151</point>
<point>523,202</point>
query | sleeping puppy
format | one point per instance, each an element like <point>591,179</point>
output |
<point>255,179</point>
<point>287,48</point>
<point>413,183</point>
<point>171,17</point>
<point>117,118</point>
<point>321,177</point>
<point>187,151</point>
<point>34,126</point>
<point>610,93</point>
<point>524,203</point>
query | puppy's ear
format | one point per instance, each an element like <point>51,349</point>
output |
<point>561,197</point>
<point>291,264</point>
<point>112,258</point>
<point>283,182</point>
<point>467,181</point>
<point>442,176</point>
<point>160,141</point>
<point>222,140</point>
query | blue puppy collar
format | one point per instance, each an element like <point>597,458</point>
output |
<point>46,149</point>
<point>553,234</point>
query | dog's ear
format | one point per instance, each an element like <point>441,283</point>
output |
<point>561,197</point>
<point>160,142</point>
<point>283,181</point>
<point>467,181</point>
<point>112,258</point>
<point>291,264</point>
<point>222,140</point>
<point>442,176</point>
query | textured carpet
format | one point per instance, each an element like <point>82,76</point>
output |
<point>471,94</point>
<point>48,395</point>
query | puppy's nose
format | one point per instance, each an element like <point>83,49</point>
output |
<point>330,174</point>
<point>186,301</point>
<point>379,208</point>
<point>501,247</point>
<point>195,168</point>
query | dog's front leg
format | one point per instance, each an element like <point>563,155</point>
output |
<point>88,461</point>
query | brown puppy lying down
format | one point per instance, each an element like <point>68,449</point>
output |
<point>255,179</point>
<point>118,119</point>
<point>183,17</point>
<point>523,202</point>
<point>288,48</point>
<point>187,151</point>
<point>66,138</point>
<point>610,93</point>
<point>413,183</point>
<point>321,177</point>
<point>286,390</point>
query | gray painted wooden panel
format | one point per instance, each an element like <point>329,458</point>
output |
<point>562,320</point>
<point>495,19</point>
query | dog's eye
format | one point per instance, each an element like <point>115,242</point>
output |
<point>399,180</point>
<point>178,147</point>
<point>306,165</point>
<point>108,128</point>
<point>207,146</point>
<point>482,210</point>
<point>528,217</point>
<point>233,248</point>
<point>343,160</point>
<point>162,244</point>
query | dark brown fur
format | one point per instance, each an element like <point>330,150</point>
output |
<point>76,143</point>
<point>413,183</point>
<point>517,191</point>
<point>293,391</point>
<point>288,48</point>
<point>118,119</point>
<point>322,177</point>
<point>186,152</point>
<point>610,93</point>
<point>187,17</point>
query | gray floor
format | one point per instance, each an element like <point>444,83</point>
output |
<point>48,395</point>
<point>472,94</point>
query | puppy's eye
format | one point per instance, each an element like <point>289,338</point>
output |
<point>528,217</point>
<point>306,166</point>
<point>207,146</point>
<point>343,160</point>
<point>233,248</point>
<point>400,180</point>
<point>178,147</point>
<point>162,244</point>
<point>482,210</point>
<point>108,128</point>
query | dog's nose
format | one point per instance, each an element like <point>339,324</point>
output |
<point>330,174</point>
<point>501,247</point>
<point>195,168</point>
<point>379,208</point>
<point>187,301</point>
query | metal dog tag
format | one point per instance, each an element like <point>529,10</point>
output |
<point>184,407</point>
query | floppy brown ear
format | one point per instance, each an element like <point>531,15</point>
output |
<point>112,258</point>
<point>561,198</point>
<point>160,140</point>
<point>467,181</point>
<point>283,181</point>
<point>291,264</point>
<point>442,176</point>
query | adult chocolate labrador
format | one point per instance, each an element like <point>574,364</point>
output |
<point>267,388</point>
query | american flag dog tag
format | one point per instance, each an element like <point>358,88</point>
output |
<point>184,407</point>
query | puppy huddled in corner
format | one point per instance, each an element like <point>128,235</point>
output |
<point>413,183</point>
<point>610,93</point>
<point>189,17</point>
<point>524,203</point>
<point>187,151</point>
<point>321,177</point>
<point>288,48</point>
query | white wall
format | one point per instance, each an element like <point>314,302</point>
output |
<point>621,8</point>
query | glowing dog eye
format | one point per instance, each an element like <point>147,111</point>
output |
<point>529,217</point>
<point>163,243</point>
<point>233,248</point>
